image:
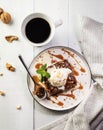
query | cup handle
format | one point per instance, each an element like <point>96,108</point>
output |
<point>58,23</point>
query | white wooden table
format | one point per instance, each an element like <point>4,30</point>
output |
<point>32,115</point>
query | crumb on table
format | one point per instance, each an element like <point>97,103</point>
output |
<point>10,67</point>
<point>18,107</point>
<point>2,93</point>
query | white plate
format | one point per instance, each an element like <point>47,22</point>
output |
<point>83,77</point>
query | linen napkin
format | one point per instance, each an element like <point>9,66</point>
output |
<point>89,114</point>
<point>91,39</point>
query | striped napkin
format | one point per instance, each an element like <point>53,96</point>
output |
<point>89,114</point>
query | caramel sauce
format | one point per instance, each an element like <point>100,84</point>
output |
<point>68,52</point>
<point>38,65</point>
<point>53,61</point>
<point>82,70</point>
<point>36,79</point>
<point>76,73</point>
<point>80,87</point>
<point>68,95</point>
<point>59,56</point>
<point>72,55</point>
<point>72,90</point>
<point>59,103</point>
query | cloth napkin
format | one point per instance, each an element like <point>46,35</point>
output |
<point>89,114</point>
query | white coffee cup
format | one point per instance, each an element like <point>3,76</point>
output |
<point>28,24</point>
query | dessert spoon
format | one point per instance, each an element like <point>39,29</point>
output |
<point>42,86</point>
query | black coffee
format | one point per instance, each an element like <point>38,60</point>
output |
<point>37,30</point>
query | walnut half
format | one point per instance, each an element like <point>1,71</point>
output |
<point>10,67</point>
<point>2,93</point>
<point>11,38</point>
<point>5,17</point>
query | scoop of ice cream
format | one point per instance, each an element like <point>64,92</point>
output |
<point>58,76</point>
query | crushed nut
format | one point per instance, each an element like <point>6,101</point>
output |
<point>18,107</point>
<point>1,74</point>
<point>10,67</point>
<point>5,17</point>
<point>11,38</point>
<point>1,11</point>
<point>2,93</point>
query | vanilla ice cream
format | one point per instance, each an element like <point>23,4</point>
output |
<point>58,76</point>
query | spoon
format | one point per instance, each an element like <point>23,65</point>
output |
<point>42,86</point>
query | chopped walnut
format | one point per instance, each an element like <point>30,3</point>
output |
<point>2,93</point>
<point>10,67</point>
<point>18,107</point>
<point>1,74</point>
<point>11,38</point>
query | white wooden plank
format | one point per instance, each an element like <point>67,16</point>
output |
<point>56,9</point>
<point>14,84</point>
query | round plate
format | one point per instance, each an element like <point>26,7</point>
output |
<point>82,75</point>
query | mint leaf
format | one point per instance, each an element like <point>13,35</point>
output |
<point>39,71</point>
<point>44,66</point>
<point>47,75</point>
<point>41,78</point>
<point>43,73</point>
